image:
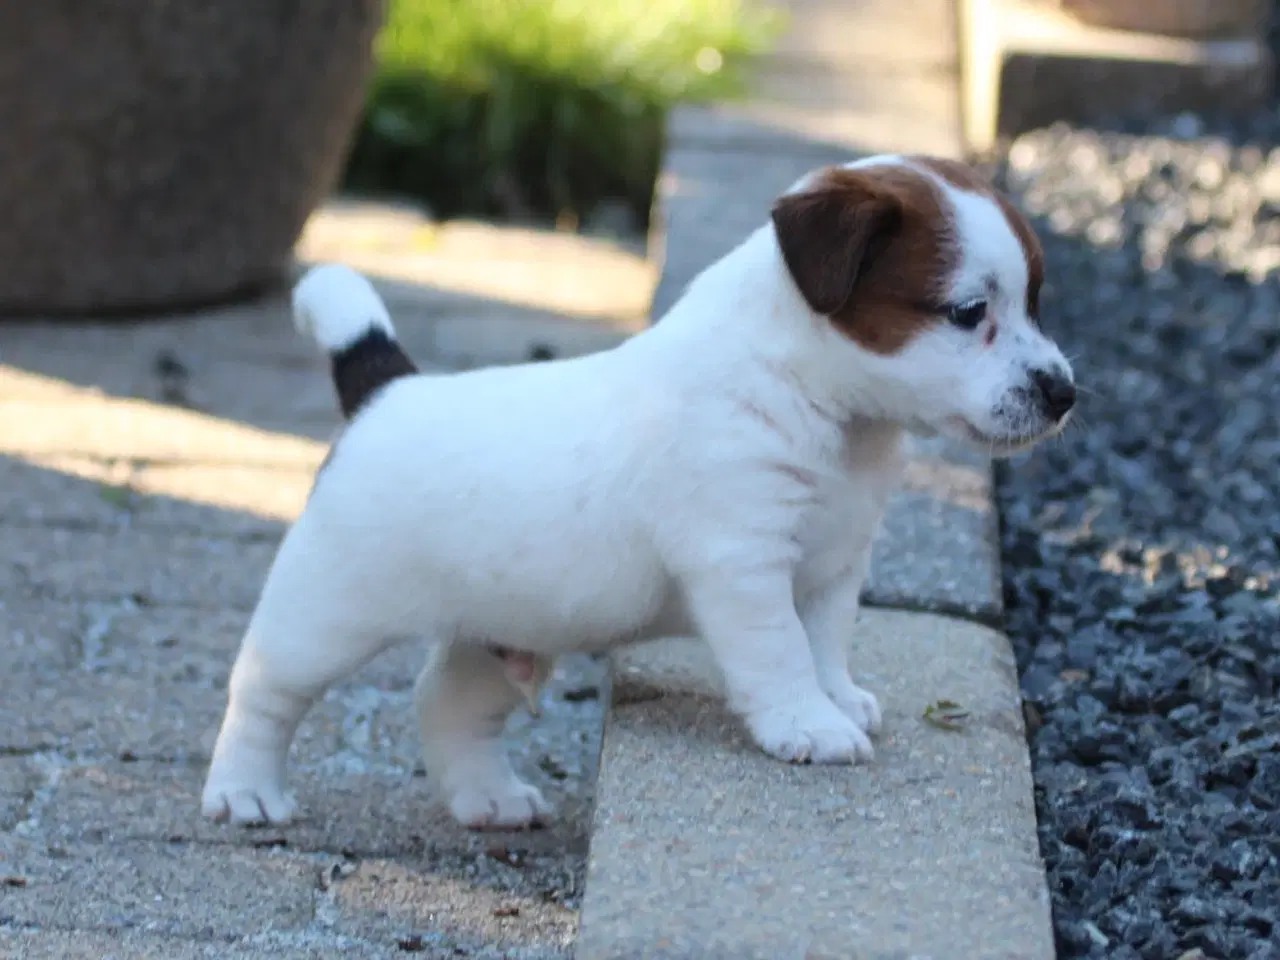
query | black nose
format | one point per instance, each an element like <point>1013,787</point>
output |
<point>1057,392</point>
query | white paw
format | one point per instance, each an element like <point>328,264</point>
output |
<point>812,730</point>
<point>246,795</point>
<point>509,804</point>
<point>858,705</point>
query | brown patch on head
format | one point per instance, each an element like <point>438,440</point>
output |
<point>871,248</point>
<point>964,177</point>
<point>1031,248</point>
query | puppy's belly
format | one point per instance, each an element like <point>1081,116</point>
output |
<point>546,614</point>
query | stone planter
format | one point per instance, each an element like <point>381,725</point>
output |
<point>1199,19</point>
<point>157,154</point>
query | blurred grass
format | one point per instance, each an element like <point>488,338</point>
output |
<point>542,108</point>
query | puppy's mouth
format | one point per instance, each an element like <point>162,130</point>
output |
<point>1002,444</point>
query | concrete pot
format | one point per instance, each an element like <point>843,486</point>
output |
<point>161,154</point>
<point>1194,19</point>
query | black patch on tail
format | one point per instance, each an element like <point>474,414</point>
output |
<point>365,367</point>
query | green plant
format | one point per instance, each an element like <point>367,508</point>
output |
<point>541,107</point>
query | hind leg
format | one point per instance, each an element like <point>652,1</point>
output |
<point>285,664</point>
<point>464,696</point>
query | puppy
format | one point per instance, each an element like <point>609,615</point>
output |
<point>721,474</point>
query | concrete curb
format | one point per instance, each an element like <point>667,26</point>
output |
<point>704,847</point>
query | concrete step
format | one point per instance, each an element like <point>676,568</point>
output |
<point>704,847</point>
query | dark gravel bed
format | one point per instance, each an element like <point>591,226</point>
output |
<point>1142,550</point>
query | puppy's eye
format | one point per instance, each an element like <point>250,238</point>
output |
<point>968,315</point>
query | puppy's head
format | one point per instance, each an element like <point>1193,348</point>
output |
<point>932,281</point>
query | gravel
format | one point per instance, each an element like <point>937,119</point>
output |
<point>1142,550</point>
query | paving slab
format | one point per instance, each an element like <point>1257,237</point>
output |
<point>228,500</point>
<point>150,567</point>
<point>170,889</point>
<point>118,746</point>
<point>97,680</point>
<point>88,715</point>
<point>562,273</point>
<point>938,548</point>
<point>131,698</point>
<point>382,899</point>
<point>356,770</point>
<point>38,944</point>
<point>237,379</point>
<point>476,294</point>
<point>126,429</point>
<point>876,75</point>
<point>50,639</point>
<point>269,901</point>
<point>119,740</point>
<point>20,778</point>
<point>705,847</point>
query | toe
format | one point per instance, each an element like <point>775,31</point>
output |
<point>852,746</point>
<point>814,732</point>
<point>214,807</point>
<point>279,808</point>
<point>533,807</point>
<point>512,806</point>
<point>245,808</point>
<point>250,807</point>
<point>859,706</point>
<point>875,716</point>
<point>472,809</point>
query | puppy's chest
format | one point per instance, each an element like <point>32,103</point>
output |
<point>849,502</point>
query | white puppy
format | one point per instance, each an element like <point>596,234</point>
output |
<point>722,473</point>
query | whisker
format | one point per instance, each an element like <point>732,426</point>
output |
<point>1077,422</point>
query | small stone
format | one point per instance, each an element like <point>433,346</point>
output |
<point>1193,909</point>
<point>503,854</point>
<point>335,872</point>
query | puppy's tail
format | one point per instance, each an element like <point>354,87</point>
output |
<point>344,314</point>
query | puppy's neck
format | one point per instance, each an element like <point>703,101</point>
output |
<point>745,310</point>
<point>878,442</point>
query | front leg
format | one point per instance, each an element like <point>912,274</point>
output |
<point>828,606</point>
<point>749,620</point>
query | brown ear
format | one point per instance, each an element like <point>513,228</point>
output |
<point>830,233</point>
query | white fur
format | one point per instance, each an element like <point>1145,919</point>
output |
<point>722,473</point>
<point>335,305</point>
